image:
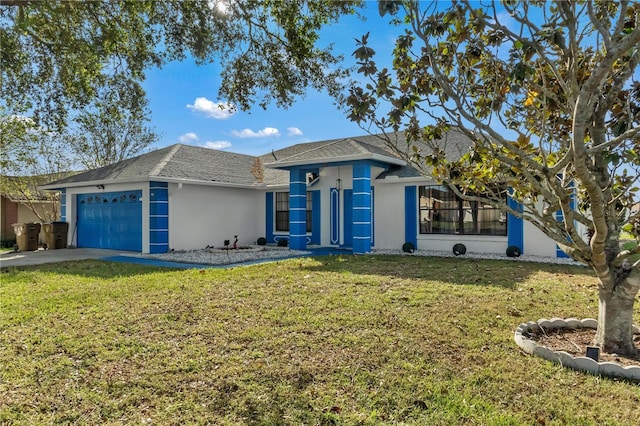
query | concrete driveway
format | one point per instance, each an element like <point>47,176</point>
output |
<point>38,257</point>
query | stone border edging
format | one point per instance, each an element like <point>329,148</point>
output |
<point>580,363</point>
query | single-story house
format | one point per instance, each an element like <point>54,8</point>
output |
<point>352,192</point>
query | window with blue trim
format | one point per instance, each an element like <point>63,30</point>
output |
<point>443,212</point>
<point>282,211</point>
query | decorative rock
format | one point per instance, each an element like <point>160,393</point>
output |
<point>566,360</point>
<point>632,373</point>
<point>573,323</point>
<point>586,364</point>
<point>611,369</point>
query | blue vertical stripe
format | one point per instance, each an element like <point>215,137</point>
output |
<point>411,215</point>
<point>373,209</point>
<point>158,217</point>
<point>63,205</point>
<point>270,207</point>
<point>560,218</point>
<point>515,226</point>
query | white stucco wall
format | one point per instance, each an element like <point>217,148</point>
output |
<point>205,215</point>
<point>536,243</point>
<point>389,216</point>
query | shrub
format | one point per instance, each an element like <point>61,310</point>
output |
<point>262,241</point>
<point>408,247</point>
<point>459,249</point>
<point>513,251</point>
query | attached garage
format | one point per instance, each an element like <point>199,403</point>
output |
<point>110,220</point>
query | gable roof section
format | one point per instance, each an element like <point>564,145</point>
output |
<point>176,162</point>
<point>334,151</point>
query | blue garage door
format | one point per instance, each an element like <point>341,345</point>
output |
<point>110,220</point>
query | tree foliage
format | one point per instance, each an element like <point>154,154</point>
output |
<point>56,56</point>
<point>112,128</point>
<point>31,159</point>
<point>75,68</point>
<point>548,93</point>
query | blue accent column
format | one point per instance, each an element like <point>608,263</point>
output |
<point>63,205</point>
<point>411,215</point>
<point>361,208</point>
<point>515,226</point>
<point>158,217</point>
<point>270,211</point>
<point>297,210</point>
<point>560,218</point>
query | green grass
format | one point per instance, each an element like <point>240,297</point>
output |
<point>362,340</point>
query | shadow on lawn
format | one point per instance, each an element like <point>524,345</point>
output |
<point>463,271</point>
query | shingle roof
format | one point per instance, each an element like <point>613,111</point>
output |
<point>333,151</point>
<point>176,162</point>
<point>197,164</point>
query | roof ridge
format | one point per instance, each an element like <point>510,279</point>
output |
<point>321,146</point>
<point>158,168</point>
<point>359,145</point>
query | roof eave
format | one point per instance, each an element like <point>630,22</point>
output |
<point>58,186</point>
<point>284,164</point>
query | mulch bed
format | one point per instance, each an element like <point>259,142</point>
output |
<point>575,342</point>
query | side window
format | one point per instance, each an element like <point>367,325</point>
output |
<point>282,211</point>
<point>441,211</point>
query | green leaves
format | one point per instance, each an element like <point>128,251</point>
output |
<point>58,55</point>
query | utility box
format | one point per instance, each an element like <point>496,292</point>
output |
<point>55,235</point>
<point>27,235</point>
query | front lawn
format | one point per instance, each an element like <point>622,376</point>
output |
<point>332,340</point>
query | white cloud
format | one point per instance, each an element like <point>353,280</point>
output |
<point>294,131</point>
<point>188,137</point>
<point>219,111</point>
<point>217,145</point>
<point>264,133</point>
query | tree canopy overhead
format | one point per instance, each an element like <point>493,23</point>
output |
<point>57,55</point>
<point>549,94</point>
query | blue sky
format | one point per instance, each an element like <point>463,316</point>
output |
<point>183,101</point>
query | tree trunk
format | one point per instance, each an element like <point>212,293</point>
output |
<point>615,319</point>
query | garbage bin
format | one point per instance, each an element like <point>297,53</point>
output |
<point>55,234</point>
<point>27,235</point>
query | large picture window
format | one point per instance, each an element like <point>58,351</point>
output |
<point>443,212</point>
<point>282,211</point>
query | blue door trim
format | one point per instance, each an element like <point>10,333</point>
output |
<point>316,217</point>
<point>347,216</point>
<point>334,216</point>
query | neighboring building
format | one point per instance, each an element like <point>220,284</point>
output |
<point>351,192</point>
<point>14,209</point>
